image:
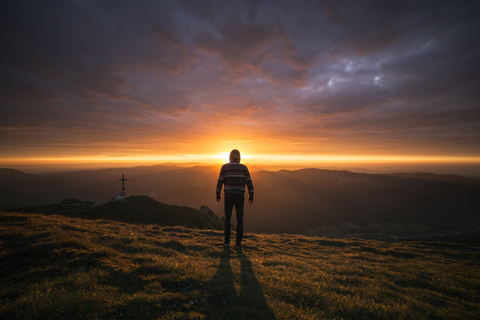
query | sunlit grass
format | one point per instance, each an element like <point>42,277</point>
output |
<point>64,268</point>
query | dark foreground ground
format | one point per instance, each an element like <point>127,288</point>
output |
<point>55,267</point>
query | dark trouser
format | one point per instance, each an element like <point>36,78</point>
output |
<point>238,201</point>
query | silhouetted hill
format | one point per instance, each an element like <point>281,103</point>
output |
<point>143,209</point>
<point>136,209</point>
<point>6,173</point>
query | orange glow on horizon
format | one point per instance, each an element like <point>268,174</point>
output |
<point>222,157</point>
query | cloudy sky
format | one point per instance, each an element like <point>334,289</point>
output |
<point>179,79</point>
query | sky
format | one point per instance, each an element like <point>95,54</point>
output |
<point>282,81</point>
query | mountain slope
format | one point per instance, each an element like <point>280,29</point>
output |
<point>143,209</point>
<point>295,200</point>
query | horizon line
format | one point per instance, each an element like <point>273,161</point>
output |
<point>252,159</point>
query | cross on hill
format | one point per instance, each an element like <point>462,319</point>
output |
<point>122,193</point>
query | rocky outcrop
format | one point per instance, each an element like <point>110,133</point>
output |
<point>211,217</point>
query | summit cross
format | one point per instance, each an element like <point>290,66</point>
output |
<point>123,184</point>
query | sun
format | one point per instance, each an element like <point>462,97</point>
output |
<point>223,156</point>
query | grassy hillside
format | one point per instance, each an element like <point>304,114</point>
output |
<point>55,267</point>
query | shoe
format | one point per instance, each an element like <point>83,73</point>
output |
<point>226,244</point>
<point>238,245</point>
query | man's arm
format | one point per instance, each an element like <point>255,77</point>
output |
<point>220,181</point>
<point>249,183</point>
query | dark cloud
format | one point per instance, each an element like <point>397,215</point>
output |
<point>366,26</point>
<point>338,71</point>
<point>254,48</point>
<point>201,9</point>
<point>171,55</point>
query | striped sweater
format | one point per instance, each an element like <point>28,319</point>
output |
<point>234,176</point>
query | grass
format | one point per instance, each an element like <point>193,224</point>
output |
<point>55,267</point>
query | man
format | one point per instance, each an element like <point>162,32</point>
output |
<point>234,176</point>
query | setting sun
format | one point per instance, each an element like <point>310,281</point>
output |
<point>183,90</point>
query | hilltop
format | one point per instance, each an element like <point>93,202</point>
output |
<point>70,268</point>
<point>143,209</point>
<point>134,209</point>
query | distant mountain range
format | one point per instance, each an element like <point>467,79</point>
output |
<point>297,201</point>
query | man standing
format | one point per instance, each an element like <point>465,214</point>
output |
<point>234,176</point>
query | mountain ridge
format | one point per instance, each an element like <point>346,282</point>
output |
<point>285,201</point>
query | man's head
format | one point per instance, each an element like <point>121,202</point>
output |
<point>235,156</point>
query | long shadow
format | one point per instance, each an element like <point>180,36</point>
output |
<point>226,303</point>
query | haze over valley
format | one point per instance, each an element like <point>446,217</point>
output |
<point>334,203</point>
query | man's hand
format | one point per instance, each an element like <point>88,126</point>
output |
<point>219,199</point>
<point>250,201</point>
